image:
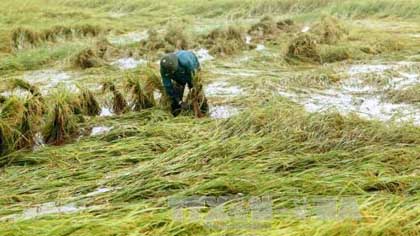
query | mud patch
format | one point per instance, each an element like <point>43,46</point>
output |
<point>223,111</point>
<point>128,63</point>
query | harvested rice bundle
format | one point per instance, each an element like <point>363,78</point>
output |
<point>141,98</point>
<point>119,103</point>
<point>89,105</point>
<point>153,83</point>
<point>304,48</point>
<point>225,41</point>
<point>329,30</point>
<point>196,98</point>
<point>265,27</point>
<point>87,58</point>
<point>61,123</point>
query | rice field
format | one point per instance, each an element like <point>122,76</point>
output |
<point>313,123</point>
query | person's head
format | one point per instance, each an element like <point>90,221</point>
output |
<point>169,63</point>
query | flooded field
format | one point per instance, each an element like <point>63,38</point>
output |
<point>308,102</point>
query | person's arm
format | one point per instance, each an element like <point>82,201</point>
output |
<point>169,89</point>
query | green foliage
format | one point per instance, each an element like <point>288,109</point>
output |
<point>119,103</point>
<point>140,98</point>
<point>61,124</point>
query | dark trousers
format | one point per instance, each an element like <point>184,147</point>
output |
<point>179,94</point>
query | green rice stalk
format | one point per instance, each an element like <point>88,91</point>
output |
<point>196,98</point>
<point>89,105</point>
<point>140,98</point>
<point>119,103</point>
<point>304,48</point>
<point>61,124</point>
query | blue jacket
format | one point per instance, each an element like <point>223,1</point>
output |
<point>187,66</point>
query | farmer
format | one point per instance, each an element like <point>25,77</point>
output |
<point>177,70</point>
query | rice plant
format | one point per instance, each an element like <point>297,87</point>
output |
<point>153,83</point>
<point>196,98</point>
<point>141,98</point>
<point>61,122</point>
<point>304,48</point>
<point>89,105</point>
<point>119,103</point>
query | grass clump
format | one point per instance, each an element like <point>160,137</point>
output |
<point>335,53</point>
<point>266,26</point>
<point>61,124</point>
<point>89,105</point>
<point>225,41</point>
<point>26,38</point>
<point>330,30</point>
<point>173,39</point>
<point>119,103</point>
<point>153,83</point>
<point>141,98</point>
<point>304,47</point>
<point>87,58</point>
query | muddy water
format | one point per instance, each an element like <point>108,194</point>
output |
<point>355,95</point>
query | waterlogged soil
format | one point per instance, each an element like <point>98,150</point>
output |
<point>363,93</point>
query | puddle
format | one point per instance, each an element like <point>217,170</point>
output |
<point>117,14</point>
<point>105,112</point>
<point>98,192</point>
<point>223,111</point>
<point>48,78</point>
<point>260,47</point>
<point>236,72</point>
<point>203,55</point>
<point>248,39</point>
<point>415,35</point>
<point>45,209</point>
<point>128,63</point>
<point>38,142</point>
<point>364,69</point>
<point>128,38</point>
<point>222,88</point>
<point>305,29</point>
<point>100,130</point>
<point>157,95</point>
